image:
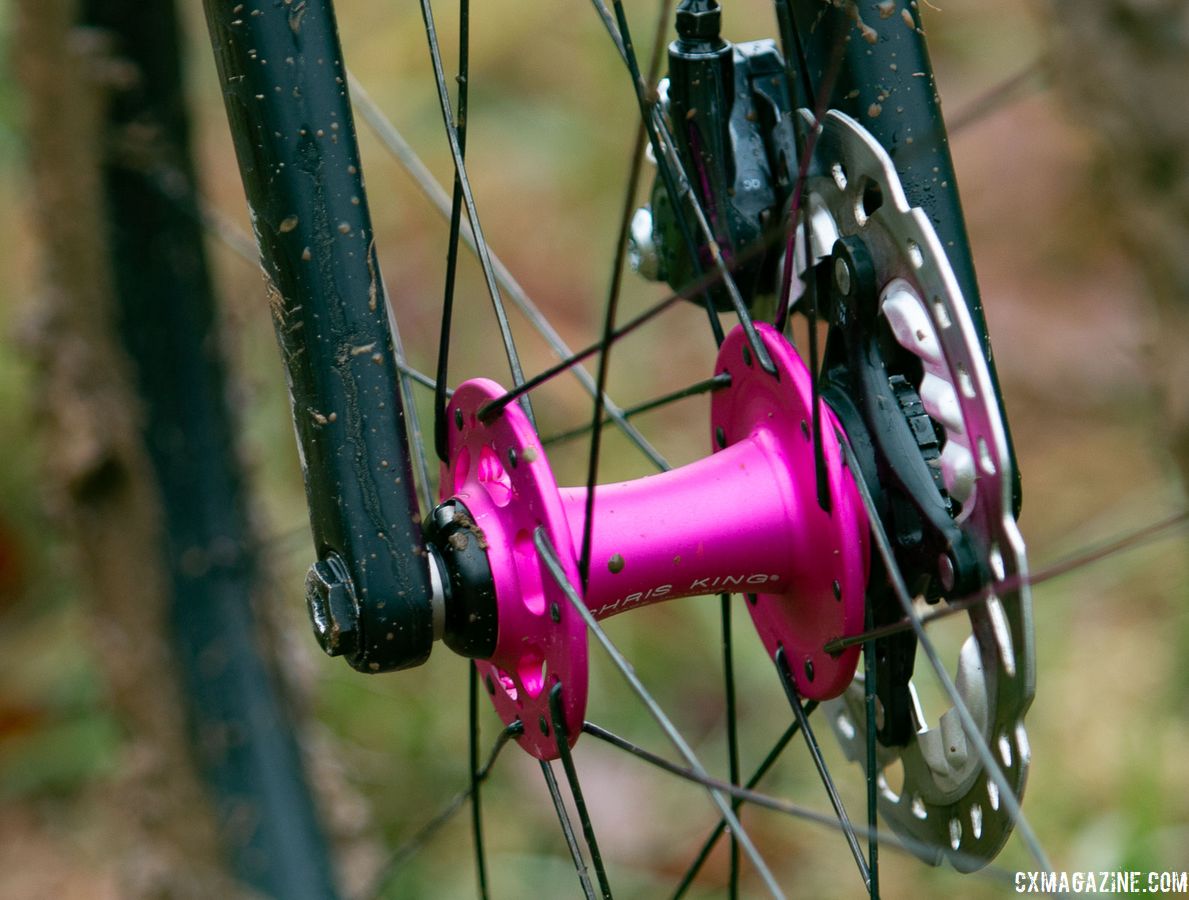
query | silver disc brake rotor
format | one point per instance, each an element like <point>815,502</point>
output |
<point>947,806</point>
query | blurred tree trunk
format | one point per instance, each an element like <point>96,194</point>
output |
<point>1123,66</point>
<point>142,465</point>
<point>96,462</point>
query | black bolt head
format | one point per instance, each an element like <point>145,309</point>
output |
<point>334,612</point>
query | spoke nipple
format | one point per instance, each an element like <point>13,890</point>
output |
<point>615,564</point>
<point>544,726</point>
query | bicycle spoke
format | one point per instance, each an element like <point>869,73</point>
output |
<point>714,383</point>
<point>678,187</point>
<point>596,435</point>
<point>821,104</point>
<point>464,184</point>
<point>821,275</point>
<point>708,845</point>
<point>670,168</point>
<point>567,761</point>
<point>473,748</point>
<point>883,544</point>
<point>567,828</point>
<point>549,556</point>
<point>394,141</point>
<point>869,697</point>
<point>1015,87</point>
<point>460,127</point>
<point>422,836</point>
<point>1164,528</point>
<point>418,377</point>
<point>905,845</point>
<point>732,725</point>
<point>488,412</point>
<point>407,376</point>
<point>852,840</point>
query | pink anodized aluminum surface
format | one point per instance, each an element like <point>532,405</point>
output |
<point>743,520</point>
<point>501,475</point>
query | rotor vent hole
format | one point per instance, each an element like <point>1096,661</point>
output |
<point>918,807</point>
<point>965,382</point>
<point>955,833</point>
<point>976,821</point>
<point>995,558</point>
<point>891,780</point>
<point>1005,750</point>
<point>940,313</point>
<point>839,173</point>
<point>985,460</point>
<point>993,794</point>
<point>915,254</point>
<point>870,200</point>
<point>845,726</point>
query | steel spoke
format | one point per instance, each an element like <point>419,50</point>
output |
<point>821,103</point>
<point>869,696</point>
<point>441,440</point>
<point>460,172</point>
<point>1163,528</point>
<point>728,659</point>
<point>670,168</point>
<point>678,187</point>
<point>761,770</point>
<point>490,410</point>
<point>1014,87</point>
<point>567,828</point>
<point>823,771</point>
<point>904,845</point>
<point>567,761</point>
<point>549,556</point>
<point>612,307</point>
<point>407,376</point>
<point>714,383</point>
<point>883,543</point>
<point>394,141</point>
<point>422,836</point>
<point>476,809</point>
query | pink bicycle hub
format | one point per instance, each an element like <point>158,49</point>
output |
<point>745,519</point>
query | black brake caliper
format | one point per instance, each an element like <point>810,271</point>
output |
<point>729,109</point>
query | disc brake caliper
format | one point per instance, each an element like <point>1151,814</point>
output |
<point>728,109</point>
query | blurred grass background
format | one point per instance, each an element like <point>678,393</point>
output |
<point>550,129</point>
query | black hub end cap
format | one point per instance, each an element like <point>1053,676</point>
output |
<point>460,550</point>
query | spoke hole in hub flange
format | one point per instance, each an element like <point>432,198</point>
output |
<point>825,598</point>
